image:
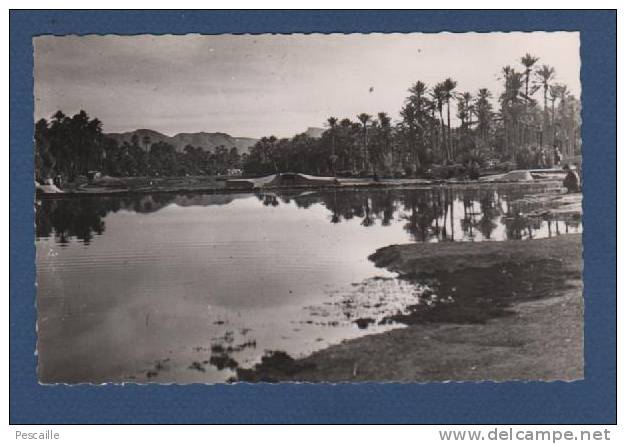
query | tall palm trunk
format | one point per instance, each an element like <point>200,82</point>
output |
<point>449,140</point>
<point>442,144</point>
<point>418,163</point>
<point>365,159</point>
<point>526,90</point>
<point>545,114</point>
<point>333,155</point>
<point>434,136</point>
<point>553,124</point>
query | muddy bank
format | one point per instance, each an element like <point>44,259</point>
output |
<point>217,184</point>
<point>432,258</point>
<point>140,185</point>
<point>497,311</point>
<point>551,206</point>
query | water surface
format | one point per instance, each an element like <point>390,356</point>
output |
<point>185,288</point>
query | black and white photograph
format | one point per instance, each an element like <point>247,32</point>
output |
<point>239,208</point>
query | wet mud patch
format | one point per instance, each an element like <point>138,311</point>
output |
<point>221,351</point>
<point>275,366</point>
<point>476,294</point>
<point>195,365</point>
<point>473,283</point>
<point>159,366</point>
<point>222,361</point>
<point>367,303</point>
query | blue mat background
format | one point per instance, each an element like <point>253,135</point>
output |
<point>590,401</point>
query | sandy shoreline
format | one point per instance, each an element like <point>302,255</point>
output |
<point>536,334</point>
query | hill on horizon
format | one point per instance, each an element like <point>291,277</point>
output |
<point>314,132</point>
<point>207,141</point>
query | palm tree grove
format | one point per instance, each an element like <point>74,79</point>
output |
<point>441,131</point>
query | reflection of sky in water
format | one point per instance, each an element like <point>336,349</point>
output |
<point>166,285</point>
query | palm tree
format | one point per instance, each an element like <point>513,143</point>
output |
<point>439,98</point>
<point>364,118</point>
<point>96,155</point>
<point>58,117</point>
<point>417,91</point>
<point>332,122</point>
<point>528,61</point>
<point>559,92</point>
<point>385,126</point>
<point>465,109</point>
<point>569,113</point>
<point>408,129</point>
<point>555,94</point>
<point>545,74</point>
<point>510,106</point>
<point>449,85</point>
<point>271,140</point>
<point>484,112</point>
<point>346,143</point>
<point>430,113</point>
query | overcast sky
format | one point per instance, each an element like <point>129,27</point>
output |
<point>261,85</point>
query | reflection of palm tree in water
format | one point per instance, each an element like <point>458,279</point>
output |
<point>571,223</point>
<point>554,226</point>
<point>269,199</point>
<point>448,215</point>
<point>517,226</point>
<point>427,214</point>
<point>452,215</point>
<point>388,212</point>
<point>67,218</point>
<point>368,221</point>
<point>437,208</point>
<point>421,217</point>
<point>334,209</point>
<point>468,222</point>
<point>439,231</point>
<point>430,213</point>
<point>383,206</point>
<point>444,230</point>
<point>411,226</point>
<point>489,211</point>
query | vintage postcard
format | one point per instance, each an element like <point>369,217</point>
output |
<point>308,208</point>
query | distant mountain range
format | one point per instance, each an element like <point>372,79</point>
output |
<point>208,141</point>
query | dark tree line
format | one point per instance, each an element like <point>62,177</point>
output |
<point>511,127</point>
<point>73,146</point>
<point>68,145</point>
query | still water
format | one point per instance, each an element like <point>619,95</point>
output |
<point>186,288</point>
